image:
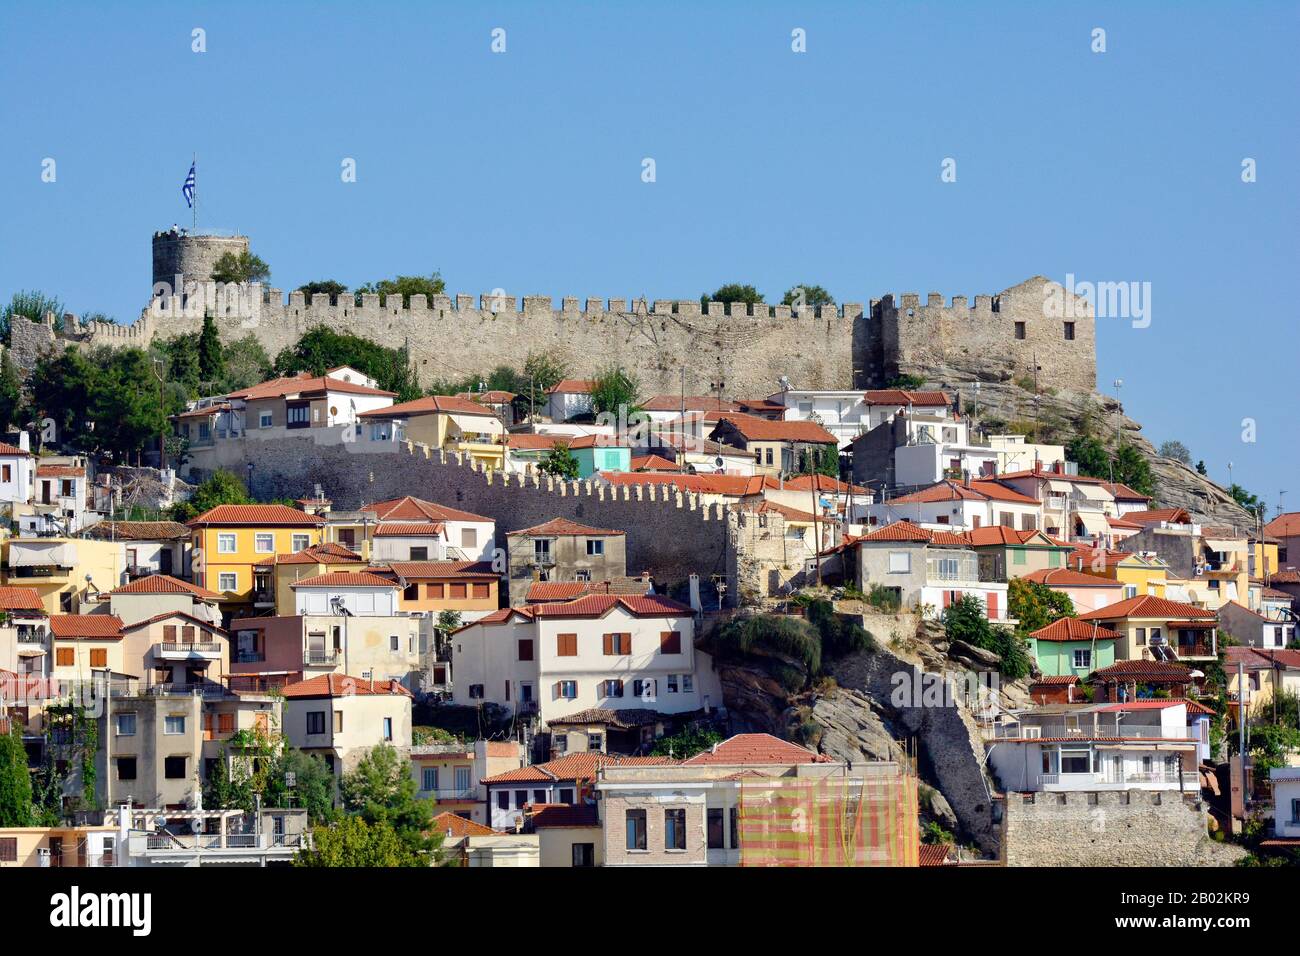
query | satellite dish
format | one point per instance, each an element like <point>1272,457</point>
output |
<point>718,461</point>
<point>196,825</point>
<point>159,822</point>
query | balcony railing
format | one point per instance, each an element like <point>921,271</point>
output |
<point>1029,731</point>
<point>1190,780</point>
<point>320,657</point>
<point>189,647</point>
<point>453,795</point>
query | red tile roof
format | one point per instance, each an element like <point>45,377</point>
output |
<point>164,584</point>
<point>562,527</point>
<point>1157,515</point>
<point>409,529</point>
<point>824,483</point>
<point>731,486</point>
<point>1156,671</point>
<point>526,441</point>
<point>933,854</point>
<point>756,749</point>
<point>457,827</point>
<point>540,592</point>
<point>9,451</point>
<point>409,509</point>
<point>1149,606</point>
<point>1069,578</point>
<point>304,383</point>
<point>86,627</point>
<point>20,599</point>
<point>328,553</point>
<point>1123,492</point>
<point>60,471</point>
<point>344,579</point>
<point>654,463</point>
<point>1286,577</point>
<point>138,530</point>
<point>578,766</point>
<point>255,515</point>
<point>490,397</point>
<point>341,685</point>
<point>898,396</point>
<point>950,490</point>
<point>790,514</point>
<point>598,605</point>
<point>906,531</point>
<point>1055,680</point>
<point>1072,629</point>
<point>431,405</point>
<point>442,569</point>
<point>548,816</point>
<point>1000,535</point>
<point>168,615</point>
<point>753,428</point>
<point>572,386</point>
<point>1285,525</point>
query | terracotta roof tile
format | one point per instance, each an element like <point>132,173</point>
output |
<point>824,483</point>
<point>906,531</point>
<point>409,508</point>
<point>341,685</point>
<point>1158,671</point>
<point>756,749</point>
<point>60,471</point>
<point>409,529</point>
<point>563,527</point>
<point>1055,680</point>
<point>344,579</point>
<point>304,383</point>
<point>654,463</point>
<point>572,386</point>
<point>1072,629</point>
<point>20,599</point>
<point>933,854</point>
<point>443,569</point>
<point>563,815</point>
<point>138,530</point>
<point>1285,525</point>
<point>898,396</point>
<point>1148,605</point>
<point>598,605</point>
<point>86,627</point>
<point>10,451</point>
<point>731,486</point>
<point>164,584</point>
<point>456,827</point>
<point>1069,578</point>
<point>753,428</point>
<point>431,405</point>
<point>255,515</point>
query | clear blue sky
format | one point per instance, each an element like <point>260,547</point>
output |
<point>522,170</point>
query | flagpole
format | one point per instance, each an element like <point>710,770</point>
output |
<point>194,222</point>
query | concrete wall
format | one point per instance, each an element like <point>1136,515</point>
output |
<point>1109,829</point>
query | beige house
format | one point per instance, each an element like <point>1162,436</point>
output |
<point>58,846</point>
<point>563,550</point>
<point>442,421</point>
<point>777,447</point>
<point>341,718</point>
<point>449,774</point>
<point>83,644</point>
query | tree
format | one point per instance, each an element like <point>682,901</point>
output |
<point>353,842</point>
<point>812,295</point>
<point>820,460</point>
<point>733,292</point>
<point>246,364</point>
<point>313,785</point>
<point>542,371</point>
<point>405,286</point>
<point>61,385</point>
<point>212,366</point>
<point>1200,468</point>
<point>381,790</point>
<point>30,305</point>
<point>686,743</point>
<point>240,267</point>
<point>1094,460</point>
<point>15,781</point>
<point>322,349</point>
<point>1176,450</point>
<point>1247,500</point>
<point>11,392</point>
<point>613,390</point>
<point>221,488</point>
<point>966,619</point>
<point>1036,605</point>
<point>126,403</point>
<point>327,287</point>
<point>560,462</point>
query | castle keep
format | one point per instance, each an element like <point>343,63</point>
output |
<point>746,348</point>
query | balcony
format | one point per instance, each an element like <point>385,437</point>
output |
<point>1108,730</point>
<point>315,658</point>
<point>1124,781</point>
<point>188,651</point>
<point>453,795</point>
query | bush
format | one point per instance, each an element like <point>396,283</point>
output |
<point>966,620</point>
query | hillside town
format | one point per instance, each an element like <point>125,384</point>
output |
<point>326,610</point>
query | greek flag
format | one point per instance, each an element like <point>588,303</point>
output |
<point>188,189</point>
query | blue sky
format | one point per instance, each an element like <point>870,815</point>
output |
<point>522,170</point>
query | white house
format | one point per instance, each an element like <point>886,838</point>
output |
<point>358,593</point>
<point>465,536</point>
<point>1286,803</point>
<point>960,506</point>
<point>1140,745</point>
<point>599,651</point>
<point>17,471</point>
<point>938,447</point>
<point>843,413</point>
<point>568,398</point>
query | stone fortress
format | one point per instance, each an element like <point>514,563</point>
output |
<point>745,348</point>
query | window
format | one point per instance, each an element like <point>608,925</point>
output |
<point>264,420</point>
<point>566,645</point>
<point>227,581</point>
<point>476,691</point>
<point>1069,331</point>
<point>539,796</point>
<point>900,562</point>
<point>462,779</point>
<point>566,795</point>
<point>733,814</point>
<point>7,473</point>
<point>521,799</point>
<point>420,554</point>
<point>388,728</point>
<point>126,725</point>
<point>713,830</point>
<point>1295,811</point>
<point>1140,633</point>
<point>644,689</point>
<point>595,741</point>
<point>617,644</point>
<point>458,591</point>
<point>582,574</point>
<point>264,543</point>
<point>174,724</point>
<point>1131,591</point>
<point>525,649</point>
<point>394,643</point>
<point>769,456</point>
<point>65,656</point>
<point>560,742</point>
<point>299,542</point>
<point>1075,761</point>
<point>411,592</point>
<point>226,723</point>
<point>612,688</point>
<point>595,548</point>
<point>9,845</point>
<point>542,550</point>
<point>670,642</point>
<point>174,768</point>
<point>98,657</point>
<point>468,538</point>
<point>566,689</point>
<point>672,683</point>
<point>584,854</point>
<point>297,416</point>
<point>675,829</point>
<point>434,591</point>
<point>482,591</point>
<point>225,544</point>
<point>1155,635</point>
<point>1020,330</point>
<point>1082,658</point>
<point>688,683</point>
<point>315,722</point>
<point>635,828</point>
<point>503,799</point>
<point>125,768</point>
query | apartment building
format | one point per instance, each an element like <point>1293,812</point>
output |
<point>451,774</point>
<point>960,506</point>
<point>563,550</point>
<point>67,573</point>
<point>341,718</point>
<point>1158,629</point>
<point>229,541</point>
<point>445,422</point>
<point>148,547</point>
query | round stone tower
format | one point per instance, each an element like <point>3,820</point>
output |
<point>177,253</point>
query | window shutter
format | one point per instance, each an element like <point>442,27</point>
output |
<point>993,605</point>
<point>626,644</point>
<point>169,633</point>
<point>947,598</point>
<point>609,643</point>
<point>555,691</point>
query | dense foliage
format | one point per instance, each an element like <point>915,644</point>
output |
<point>322,349</point>
<point>686,743</point>
<point>240,267</point>
<point>405,286</point>
<point>733,292</point>
<point>614,391</point>
<point>1095,461</point>
<point>966,619</point>
<point>559,462</point>
<point>221,488</point>
<point>812,295</point>
<point>1036,605</point>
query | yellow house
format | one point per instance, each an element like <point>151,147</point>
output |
<point>65,572</point>
<point>58,846</point>
<point>82,643</point>
<point>443,421</point>
<point>274,575</point>
<point>229,541</point>
<point>434,586</point>
<point>1156,629</point>
<point>1266,555</point>
<point>1140,574</point>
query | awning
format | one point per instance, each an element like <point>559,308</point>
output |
<point>1060,487</point>
<point>1094,492</point>
<point>42,554</point>
<point>31,652</point>
<point>1094,524</point>
<point>1224,544</point>
<point>473,424</point>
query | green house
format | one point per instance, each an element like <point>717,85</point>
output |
<point>1070,647</point>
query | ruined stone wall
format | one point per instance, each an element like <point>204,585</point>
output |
<point>1134,828</point>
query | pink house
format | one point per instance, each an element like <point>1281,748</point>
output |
<point>1088,591</point>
